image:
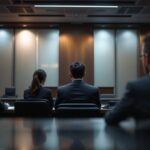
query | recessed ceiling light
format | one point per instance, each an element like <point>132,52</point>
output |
<point>51,25</point>
<point>77,6</point>
<point>103,25</point>
<point>129,26</point>
<point>24,25</point>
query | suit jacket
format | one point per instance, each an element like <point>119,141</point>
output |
<point>42,93</point>
<point>78,91</point>
<point>135,102</point>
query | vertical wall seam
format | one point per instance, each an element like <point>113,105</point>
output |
<point>14,60</point>
<point>36,49</point>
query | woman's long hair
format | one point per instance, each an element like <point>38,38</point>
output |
<point>39,78</point>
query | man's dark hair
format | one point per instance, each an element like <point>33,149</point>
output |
<point>147,44</point>
<point>77,69</point>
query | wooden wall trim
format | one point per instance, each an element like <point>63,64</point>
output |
<point>76,44</point>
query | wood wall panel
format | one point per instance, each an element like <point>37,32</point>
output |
<point>106,90</point>
<point>143,33</point>
<point>76,44</point>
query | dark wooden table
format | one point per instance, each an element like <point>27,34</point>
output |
<point>70,134</point>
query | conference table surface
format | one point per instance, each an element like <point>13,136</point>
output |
<point>72,134</point>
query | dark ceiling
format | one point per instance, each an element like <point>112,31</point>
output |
<point>24,12</point>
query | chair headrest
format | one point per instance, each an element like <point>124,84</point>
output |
<point>29,101</point>
<point>10,91</point>
<point>77,105</point>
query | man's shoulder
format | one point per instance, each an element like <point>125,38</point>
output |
<point>46,90</point>
<point>140,81</point>
<point>90,87</point>
<point>65,86</point>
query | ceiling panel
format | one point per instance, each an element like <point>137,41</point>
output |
<point>143,2</point>
<point>3,9</point>
<point>5,2</point>
<point>121,2</point>
<point>28,9</point>
<point>134,10</point>
<point>122,10</point>
<point>41,15</point>
<point>111,16</point>
<point>146,10</point>
<point>16,9</point>
<point>22,11</point>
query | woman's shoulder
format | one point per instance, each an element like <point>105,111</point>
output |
<point>27,91</point>
<point>45,89</point>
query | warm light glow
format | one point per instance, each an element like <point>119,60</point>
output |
<point>49,66</point>
<point>76,6</point>
<point>26,37</point>
<point>90,39</point>
<point>54,66</point>
<point>63,37</point>
<point>24,25</point>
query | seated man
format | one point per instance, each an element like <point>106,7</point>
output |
<point>136,100</point>
<point>77,91</point>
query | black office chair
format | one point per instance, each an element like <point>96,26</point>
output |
<point>33,108</point>
<point>77,110</point>
<point>10,92</point>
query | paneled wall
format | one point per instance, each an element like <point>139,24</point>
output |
<point>36,49</point>
<point>143,33</point>
<point>25,59</point>
<point>111,56</point>
<point>115,58</point>
<point>127,46</point>
<point>76,44</point>
<point>6,59</point>
<point>104,58</point>
<point>22,52</point>
<point>48,54</point>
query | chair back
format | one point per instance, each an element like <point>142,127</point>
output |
<point>33,108</point>
<point>9,92</point>
<point>77,110</point>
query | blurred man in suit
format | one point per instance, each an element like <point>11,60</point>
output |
<point>136,100</point>
<point>77,90</point>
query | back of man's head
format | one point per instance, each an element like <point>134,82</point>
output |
<point>147,44</point>
<point>77,70</point>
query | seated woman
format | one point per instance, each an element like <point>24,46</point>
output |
<point>36,90</point>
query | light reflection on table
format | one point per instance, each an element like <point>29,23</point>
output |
<point>72,134</point>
